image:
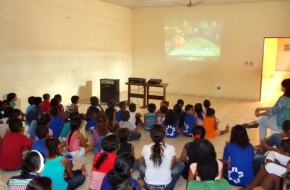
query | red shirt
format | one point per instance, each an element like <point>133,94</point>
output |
<point>46,106</point>
<point>107,165</point>
<point>12,148</point>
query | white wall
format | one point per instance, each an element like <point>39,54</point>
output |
<point>246,25</point>
<point>53,46</point>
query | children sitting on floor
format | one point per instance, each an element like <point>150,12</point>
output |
<point>46,103</point>
<point>91,117</point>
<point>161,116</point>
<point>162,103</point>
<point>207,171</point>
<point>13,145</point>
<point>104,161</point>
<point>150,118</point>
<point>40,183</point>
<point>124,134</point>
<point>180,102</point>
<point>42,133</point>
<point>187,120</point>
<point>210,125</point>
<point>12,98</point>
<point>73,107</point>
<point>177,111</point>
<point>31,105</point>
<point>135,118</point>
<point>123,107</point>
<point>111,111</point>
<point>66,128</point>
<point>76,143</point>
<point>56,121</point>
<point>206,105</point>
<point>170,124</point>
<point>125,123</point>
<point>32,165</point>
<point>36,111</point>
<point>100,133</point>
<point>187,155</point>
<point>114,127</point>
<point>199,114</point>
<point>95,104</point>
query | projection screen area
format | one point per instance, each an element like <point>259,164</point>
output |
<point>195,37</point>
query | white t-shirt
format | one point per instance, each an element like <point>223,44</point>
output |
<point>128,125</point>
<point>3,127</point>
<point>133,118</point>
<point>158,175</point>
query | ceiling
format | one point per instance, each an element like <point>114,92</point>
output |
<point>139,4</point>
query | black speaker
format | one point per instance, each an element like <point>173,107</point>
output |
<point>110,89</point>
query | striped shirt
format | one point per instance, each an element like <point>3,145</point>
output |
<point>150,120</point>
<point>19,182</point>
<point>33,113</point>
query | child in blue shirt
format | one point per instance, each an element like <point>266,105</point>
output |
<point>91,119</point>
<point>56,121</point>
<point>42,133</point>
<point>187,120</point>
<point>123,107</point>
<point>31,105</point>
<point>150,118</point>
<point>170,124</point>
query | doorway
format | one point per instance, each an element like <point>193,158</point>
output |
<point>276,67</point>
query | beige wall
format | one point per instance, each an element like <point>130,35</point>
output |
<point>283,57</point>
<point>246,25</point>
<point>64,47</point>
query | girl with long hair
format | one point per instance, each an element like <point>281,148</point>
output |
<point>158,168</point>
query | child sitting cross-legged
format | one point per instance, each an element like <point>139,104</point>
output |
<point>150,118</point>
<point>100,133</point>
<point>104,161</point>
<point>76,144</point>
<point>135,118</point>
<point>66,128</point>
<point>210,125</point>
<point>13,145</point>
<point>124,134</point>
<point>111,111</point>
<point>123,107</point>
<point>57,122</point>
<point>73,107</point>
<point>91,117</point>
<point>125,123</point>
<point>187,120</point>
<point>207,171</point>
<point>170,124</point>
<point>161,115</point>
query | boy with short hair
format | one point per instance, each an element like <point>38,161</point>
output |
<point>13,145</point>
<point>207,170</point>
<point>46,103</point>
<point>42,133</point>
<point>125,123</point>
<point>31,105</point>
<point>135,118</point>
<point>123,107</point>
<point>95,104</point>
<point>36,112</point>
<point>73,107</point>
<point>150,118</point>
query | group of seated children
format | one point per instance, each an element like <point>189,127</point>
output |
<point>178,121</point>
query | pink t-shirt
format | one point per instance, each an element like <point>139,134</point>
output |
<point>74,144</point>
<point>96,136</point>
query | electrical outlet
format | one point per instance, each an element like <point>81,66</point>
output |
<point>218,87</point>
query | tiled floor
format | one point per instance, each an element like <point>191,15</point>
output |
<point>229,111</point>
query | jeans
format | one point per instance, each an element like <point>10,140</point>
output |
<point>175,174</point>
<point>267,122</point>
<point>135,136</point>
<point>77,181</point>
<point>274,139</point>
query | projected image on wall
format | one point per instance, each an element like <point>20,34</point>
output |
<point>193,38</point>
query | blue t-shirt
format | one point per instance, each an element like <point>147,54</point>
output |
<point>118,115</point>
<point>171,130</point>
<point>29,108</point>
<point>106,185</point>
<point>98,145</point>
<point>40,146</point>
<point>240,172</point>
<point>189,121</point>
<point>91,123</point>
<point>56,125</point>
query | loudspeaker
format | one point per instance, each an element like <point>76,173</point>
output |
<point>110,89</point>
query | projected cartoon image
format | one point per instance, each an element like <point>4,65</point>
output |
<point>193,40</point>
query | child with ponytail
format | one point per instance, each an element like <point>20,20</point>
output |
<point>170,124</point>
<point>59,169</point>
<point>104,161</point>
<point>199,114</point>
<point>187,155</point>
<point>159,169</point>
<point>187,120</point>
<point>122,171</point>
<point>33,164</point>
<point>76,143</point>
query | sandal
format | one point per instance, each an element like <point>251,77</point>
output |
<point>249,126</point>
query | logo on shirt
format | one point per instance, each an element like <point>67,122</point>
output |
<point>168,129</point>
<point>236,174</point>
<point>185,129</point>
